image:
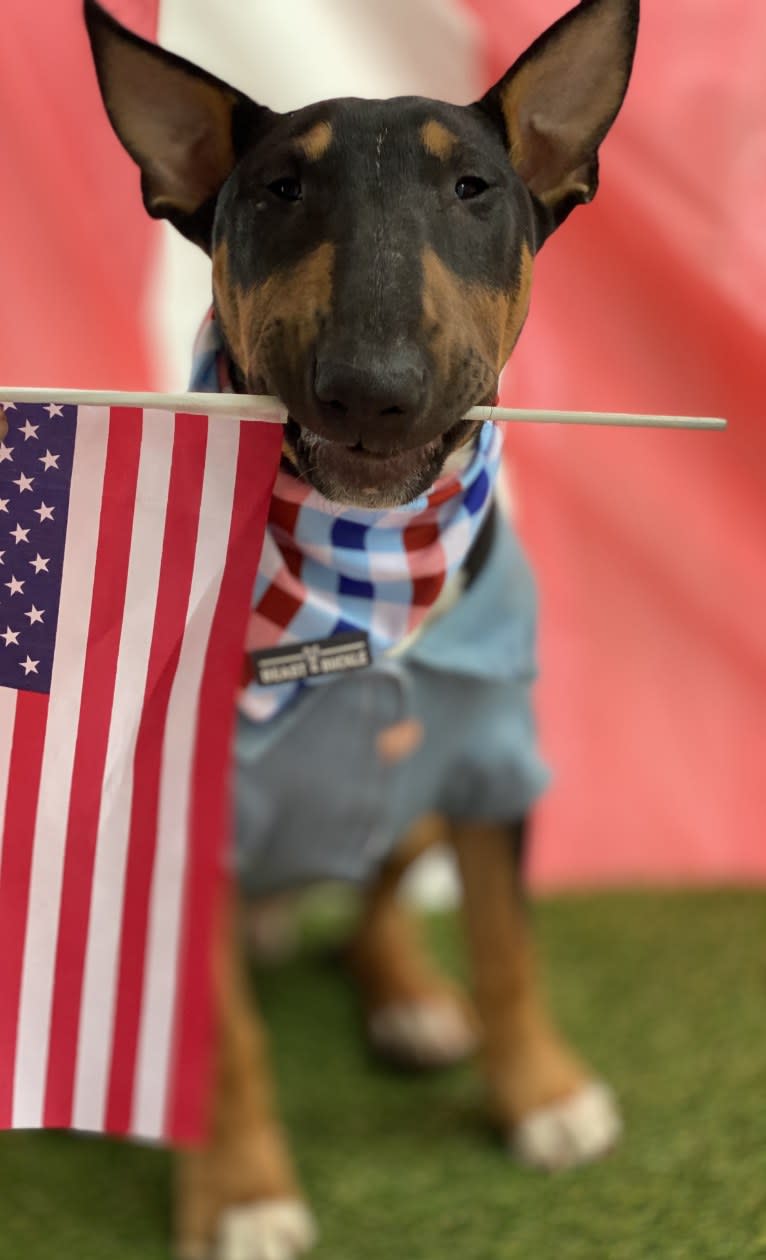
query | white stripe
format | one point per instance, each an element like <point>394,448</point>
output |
<point>166,905</point>
<point>271,562</point>
<point>456,540</point>
<point>58,758</point>
<point>388,621</point>
<point>287,55</point>
<point>8,697</point>
<point>102,957</point>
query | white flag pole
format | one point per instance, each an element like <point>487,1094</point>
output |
<point>271,411</point>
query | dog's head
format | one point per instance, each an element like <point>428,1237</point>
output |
<point>372,260</point>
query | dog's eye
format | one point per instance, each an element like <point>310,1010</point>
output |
<point>470,186</point>
<point>287,189</point>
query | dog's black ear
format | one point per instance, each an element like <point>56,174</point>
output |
<point>184,127</point>
<point>558,101</point>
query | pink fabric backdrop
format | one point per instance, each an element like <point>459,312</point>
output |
<point>75,247</point>
<point>651,548</point>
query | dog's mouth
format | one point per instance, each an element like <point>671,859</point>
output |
<point>357,477</point>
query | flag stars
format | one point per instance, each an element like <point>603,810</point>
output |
<point>32,449</point>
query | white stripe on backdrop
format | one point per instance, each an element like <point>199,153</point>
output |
<point>286,55</point>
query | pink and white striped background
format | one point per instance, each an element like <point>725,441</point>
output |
<point>650,547</point>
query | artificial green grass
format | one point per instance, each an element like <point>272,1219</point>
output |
<point>665,993</point>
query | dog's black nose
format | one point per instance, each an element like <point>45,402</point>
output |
<point>370,399</point>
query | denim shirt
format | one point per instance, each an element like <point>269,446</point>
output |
<point>314,800</point>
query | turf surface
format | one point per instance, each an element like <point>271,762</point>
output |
<point>665,993</point>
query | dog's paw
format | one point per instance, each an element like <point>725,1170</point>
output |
<point>426,1034</point>
<point>578,1129</point>
<point>279,1229</point>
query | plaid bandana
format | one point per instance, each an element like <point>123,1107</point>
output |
<point>327,570</point>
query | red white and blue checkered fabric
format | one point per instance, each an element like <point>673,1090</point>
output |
<point>327,570</point>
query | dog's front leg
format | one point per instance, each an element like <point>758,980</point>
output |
<point>415,1016</point>
<point>552,1112</point>
<point>237,1198</point>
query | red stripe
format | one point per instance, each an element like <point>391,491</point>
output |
<point>107,606</point>
<point>176,569</point>
<point>423,536</point>
<point>420,534</point>
<point>284,514</point>
<point>259,453</point>
<point>18,839</point>
<point>292,559</point>
<point>278,606</point>
<point>443,493</point>
<point>426,590</point>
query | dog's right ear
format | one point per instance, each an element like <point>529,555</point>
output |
<point>184,127</point>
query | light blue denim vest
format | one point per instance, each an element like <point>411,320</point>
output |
<point>314,801</point>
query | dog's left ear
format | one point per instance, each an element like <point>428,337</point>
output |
<point>558,101</point>
<point>183,127</point>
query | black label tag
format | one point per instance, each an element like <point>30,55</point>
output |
<point>295,661</point>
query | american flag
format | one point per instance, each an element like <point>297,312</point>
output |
<point>129,542</point>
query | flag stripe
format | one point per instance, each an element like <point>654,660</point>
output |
<point>98,998</point>
<point>177,760</point>
<point>179,546</point>
<point>112,554</point>
<point>58,756</point>
<point>8,699</point>
<point>259,449</point>
<point>15,872</point>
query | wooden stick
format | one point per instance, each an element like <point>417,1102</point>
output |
<point>272,411</point>
<point>613,419</point>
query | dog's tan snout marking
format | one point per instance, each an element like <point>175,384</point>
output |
<point>277,318</point>
<point>519,305</point>
<point>437,139</point>
<point>399,741</point>
<point>313,144</point>
<point>3,424</point>
<point>461,316</point>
